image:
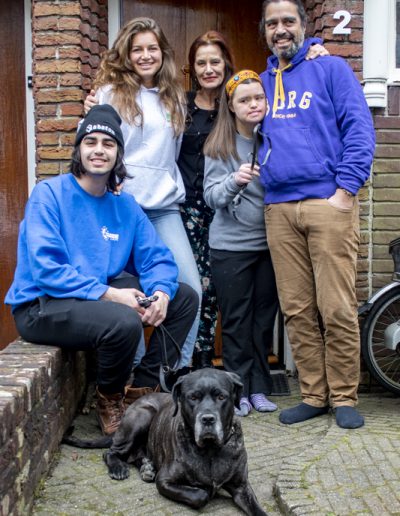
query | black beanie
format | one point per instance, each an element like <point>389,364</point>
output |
<point>101,119</point>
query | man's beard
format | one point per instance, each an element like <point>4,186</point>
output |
<point>290,52</point>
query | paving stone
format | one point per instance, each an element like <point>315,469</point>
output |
<point>313,468</point>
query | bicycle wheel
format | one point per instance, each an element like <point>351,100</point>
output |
<point>383,363</point>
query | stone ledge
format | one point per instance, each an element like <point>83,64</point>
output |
<point>40,387</point>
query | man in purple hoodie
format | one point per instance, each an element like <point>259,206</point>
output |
<point>320,135</point>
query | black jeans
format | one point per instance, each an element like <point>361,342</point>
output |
<point>112,329</point>
<point>248,301</point>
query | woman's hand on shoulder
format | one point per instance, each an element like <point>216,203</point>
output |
<point>90,101</point>
<point>316,51</point>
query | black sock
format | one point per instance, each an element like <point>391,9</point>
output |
<point>300,413</point>
<point>348,417</point>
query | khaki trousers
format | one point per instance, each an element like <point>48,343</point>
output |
<point>314,253</point>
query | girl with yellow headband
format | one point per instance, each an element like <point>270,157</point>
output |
<point>240,261</point>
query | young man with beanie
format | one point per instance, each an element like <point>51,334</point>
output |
<point>321,137</point>
<point>76,238</point>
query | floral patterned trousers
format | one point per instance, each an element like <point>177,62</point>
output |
<point>197,217</point>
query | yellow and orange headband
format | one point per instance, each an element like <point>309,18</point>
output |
<point>238,78</point>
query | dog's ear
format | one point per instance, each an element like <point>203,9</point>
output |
<point>176,393</point>
<point>237,388</point>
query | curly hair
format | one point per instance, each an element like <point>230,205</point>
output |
<point>116,69</point>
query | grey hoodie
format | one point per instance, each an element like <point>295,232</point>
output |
<point>151,152</point>
<point>246,232</point>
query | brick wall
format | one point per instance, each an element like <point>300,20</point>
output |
<point>386,187</point>
<point>40,387</point>
<point>322,23</point>
<point>68,39</point>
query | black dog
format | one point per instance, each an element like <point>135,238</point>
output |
<point>190,442</point>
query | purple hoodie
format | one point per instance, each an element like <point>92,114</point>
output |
<point>322,137</point>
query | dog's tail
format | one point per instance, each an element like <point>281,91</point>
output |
<point>102,442</point>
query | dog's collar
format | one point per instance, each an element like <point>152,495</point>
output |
<point>230,435</point>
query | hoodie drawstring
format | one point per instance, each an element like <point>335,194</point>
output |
<point>279,94</point>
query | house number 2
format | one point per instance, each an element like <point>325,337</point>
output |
<point>341,28</point>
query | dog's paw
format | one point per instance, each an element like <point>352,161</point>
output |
<point>117,469</point>
<point>147,471</point>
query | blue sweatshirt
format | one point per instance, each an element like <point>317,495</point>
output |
<point>321,135</point>
<point>72,244</point>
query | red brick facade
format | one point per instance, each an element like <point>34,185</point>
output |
<point>68,39</point>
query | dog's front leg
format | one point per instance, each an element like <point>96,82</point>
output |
<point>117,469</point>
<point>244,497</point>
<point>192,496</point>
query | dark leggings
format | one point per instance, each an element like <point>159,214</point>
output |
<point>112,329</point>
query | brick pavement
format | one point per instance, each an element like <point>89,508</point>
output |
<point>310,468</point>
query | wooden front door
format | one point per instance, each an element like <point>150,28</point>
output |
<point>182,21</point>
<point>13,154</point>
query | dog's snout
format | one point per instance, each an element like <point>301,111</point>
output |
<point>208,419</point>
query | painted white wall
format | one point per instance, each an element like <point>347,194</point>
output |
<point>30,118</point>
<point>379,50</point>
<point>114,20</point>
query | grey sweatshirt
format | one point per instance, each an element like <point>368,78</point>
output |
<point>151,152</point>
<point>226,233</point>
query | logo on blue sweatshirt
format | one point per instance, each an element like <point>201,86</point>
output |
<point>109,236</point>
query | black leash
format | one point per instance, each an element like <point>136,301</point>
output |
<point>236,200</point>
<point>165,368</point>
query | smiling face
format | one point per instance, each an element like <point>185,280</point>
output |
<point>146,57</point>
<point>249,105</point>
<point>209,67</point>
<point>284,31</point>
<point>98,154</point>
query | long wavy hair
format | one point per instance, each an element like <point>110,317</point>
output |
<point>116,69</point>
<point>212,37</point>
<point>221,142</point>
<point>117,175</point>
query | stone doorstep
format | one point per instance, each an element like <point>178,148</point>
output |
<point>40,388</point>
